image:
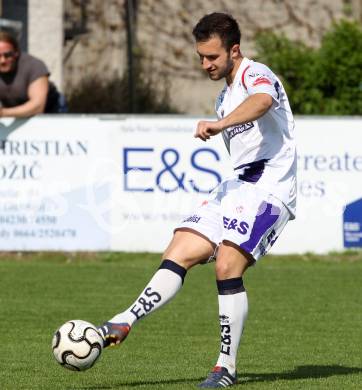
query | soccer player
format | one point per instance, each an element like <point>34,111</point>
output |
<point>244,215</point>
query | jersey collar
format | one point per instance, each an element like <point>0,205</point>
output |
<point>245,62</point>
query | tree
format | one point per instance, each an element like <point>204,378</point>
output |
<point>324,81</point>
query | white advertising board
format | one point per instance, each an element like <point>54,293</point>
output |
<point>45,185</point>
<point>167,173</point>
<point>124,182</point>
<point>329,179</point>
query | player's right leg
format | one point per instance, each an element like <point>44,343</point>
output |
<point>187,248</point>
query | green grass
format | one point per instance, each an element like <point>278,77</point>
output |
<point>303,331</point>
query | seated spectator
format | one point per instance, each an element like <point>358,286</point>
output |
<point>25,89</point>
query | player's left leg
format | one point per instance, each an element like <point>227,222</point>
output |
<point>252,221</point>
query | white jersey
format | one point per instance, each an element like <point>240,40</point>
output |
<point>263,152</point>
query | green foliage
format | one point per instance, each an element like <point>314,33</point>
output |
<point>94,95</point>
<point>324,81</point>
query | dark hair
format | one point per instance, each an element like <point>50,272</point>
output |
<point>220,24</point>
<point>9,38</point>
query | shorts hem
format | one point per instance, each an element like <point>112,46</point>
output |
<point>195,231</point>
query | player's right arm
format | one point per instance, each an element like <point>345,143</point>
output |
<point>262,88</point>
<point>254,107</point>
<point>251,109</point>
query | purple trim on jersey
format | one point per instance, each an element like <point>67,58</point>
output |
<point>252,172</point>
<point>264,220</point>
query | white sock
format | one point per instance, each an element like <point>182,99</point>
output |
<point>163,286</point>
<point>233,311</point>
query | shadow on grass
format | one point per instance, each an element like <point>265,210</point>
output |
<point>300,372</point>
<point>191,381</point>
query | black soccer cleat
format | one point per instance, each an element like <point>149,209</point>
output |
<point>218,377</point>
<point>113,333</point>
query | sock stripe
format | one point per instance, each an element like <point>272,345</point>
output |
<point>174,267</point>
<point>230,286</point>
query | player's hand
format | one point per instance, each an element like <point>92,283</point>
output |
<point>207,129</point>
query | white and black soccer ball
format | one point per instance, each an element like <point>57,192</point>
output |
<point>77,345</point>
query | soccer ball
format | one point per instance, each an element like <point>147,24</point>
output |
<point>77,345</point>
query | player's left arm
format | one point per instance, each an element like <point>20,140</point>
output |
<point>252,108</point>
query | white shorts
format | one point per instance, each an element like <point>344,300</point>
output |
<point>242,213</point>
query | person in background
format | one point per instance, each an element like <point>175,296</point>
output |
<point>25,89</point>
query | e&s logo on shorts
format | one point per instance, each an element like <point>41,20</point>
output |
<point>240,226</point>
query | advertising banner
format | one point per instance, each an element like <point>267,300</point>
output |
<point>45,184</point>
<point>123,183</point>
<point>166,174</point>
<point>329,178</point>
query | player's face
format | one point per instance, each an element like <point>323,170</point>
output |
<point>214,58</point>
<point>8,57</point>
